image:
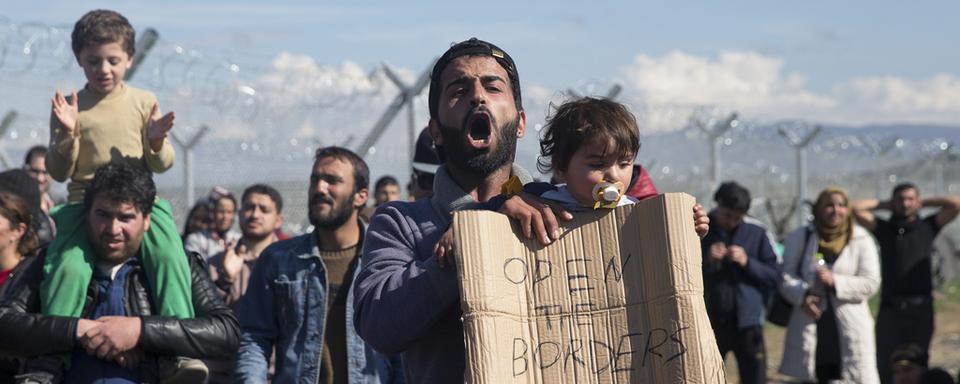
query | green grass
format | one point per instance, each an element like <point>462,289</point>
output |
<point>947,294</point>
<point>950,291</point>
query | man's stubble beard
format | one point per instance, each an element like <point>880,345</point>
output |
<point>257,237</point>
<point>339,214</point>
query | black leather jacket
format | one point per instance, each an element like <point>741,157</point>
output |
<point>213,333</point>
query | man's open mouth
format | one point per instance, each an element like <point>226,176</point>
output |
<point>479,130</point>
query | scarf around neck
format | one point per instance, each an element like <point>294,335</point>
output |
<point>449,197</point>
<point>831,240</point>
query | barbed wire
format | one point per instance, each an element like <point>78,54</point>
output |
<point>280,108</point>
<point>191,79</point>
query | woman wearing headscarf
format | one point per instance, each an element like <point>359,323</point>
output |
<point>831,267</point>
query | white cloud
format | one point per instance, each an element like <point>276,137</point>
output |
<point>931,100</point>
<point>674,84</point>
<point>671,86</point>
<point>296,97</point>
<point>295,79</point>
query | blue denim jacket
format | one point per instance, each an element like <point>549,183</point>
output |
<point>289,277</point>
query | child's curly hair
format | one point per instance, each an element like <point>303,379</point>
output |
<point>102,27</point>
<point>578,121</point>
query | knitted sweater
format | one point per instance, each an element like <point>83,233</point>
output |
<point>111,127</point>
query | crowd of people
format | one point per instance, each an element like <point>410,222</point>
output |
<point>828,271</point>
<point>102,287</point>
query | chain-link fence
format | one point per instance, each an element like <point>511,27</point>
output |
<point>265,116</point>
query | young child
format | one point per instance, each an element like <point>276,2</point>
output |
<point>109,121</point>
<point>589,144</point>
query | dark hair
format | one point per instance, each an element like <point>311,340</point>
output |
<point>102,27</point>
<point>733,196</point>
<point>35,151</point>
<point>426,155</point>
<point>19,182</point>
<point>201,204</point>
<point>385,181</point>
<point>228,196</point>
<point>578,121</point>
<point>15,209</point>
<point>903,187</point>
<point>472,47</point>
<point>122,183</point>
<point>361,174</point>
<point>424,179</point>
<point>263,189</point>
<point>910,353</point>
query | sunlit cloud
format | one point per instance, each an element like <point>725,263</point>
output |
<point>671,86</point>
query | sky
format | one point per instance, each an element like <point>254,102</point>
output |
<point>557,41</point>
<point>308,70</point>
<point>851,62</point>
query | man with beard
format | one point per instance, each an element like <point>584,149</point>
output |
<point>906,249</point>
<point>120,336</point>
<point>406,303</point>
<point>260,216</point>
<point>299,298</point>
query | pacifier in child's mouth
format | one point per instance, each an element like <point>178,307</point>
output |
<point>607,194</point>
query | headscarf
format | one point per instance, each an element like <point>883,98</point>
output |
<point>831,239</point>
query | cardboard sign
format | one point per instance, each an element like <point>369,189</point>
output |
<point>618,299</point>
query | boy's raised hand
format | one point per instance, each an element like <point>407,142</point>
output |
<point>66,112</point>
<point>158,126</point>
